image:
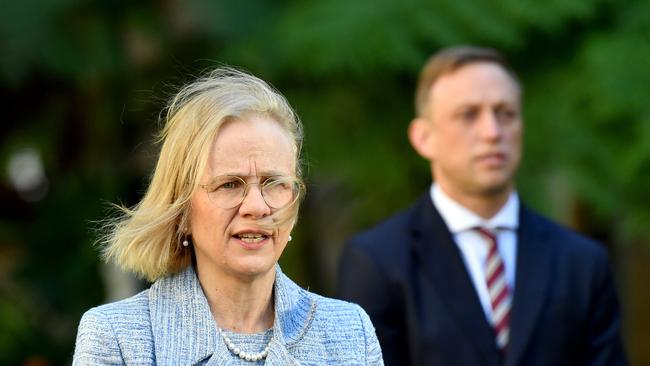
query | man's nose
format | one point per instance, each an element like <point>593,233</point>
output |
<point>490,126</point>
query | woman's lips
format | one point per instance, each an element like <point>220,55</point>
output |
<point>251,240</point>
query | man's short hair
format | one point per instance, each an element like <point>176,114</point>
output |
<point>450,59</point>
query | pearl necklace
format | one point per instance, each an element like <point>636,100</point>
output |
<point>241,354</point>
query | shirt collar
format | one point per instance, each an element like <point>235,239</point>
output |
<point>459,218</point>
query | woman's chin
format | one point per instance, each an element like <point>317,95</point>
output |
<point>256,258</point>
<point>254,266</point>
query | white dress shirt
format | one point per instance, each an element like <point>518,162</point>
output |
<point>462,223</point>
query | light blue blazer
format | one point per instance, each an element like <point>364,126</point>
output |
<point>171,324</point>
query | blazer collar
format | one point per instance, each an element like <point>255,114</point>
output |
<point>534,268</point>
<point>434,246</point>
<point>442,262</point>
<point>185,332</point>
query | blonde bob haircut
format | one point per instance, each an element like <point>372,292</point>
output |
<point>145,239</point>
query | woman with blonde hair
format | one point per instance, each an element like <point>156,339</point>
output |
<point>208,233</point>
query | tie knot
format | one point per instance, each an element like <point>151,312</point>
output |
<point>488,234</point>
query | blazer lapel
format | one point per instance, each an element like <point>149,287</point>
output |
<point>534,266</point>
<point>443,263</point>
<point>294,312</point>
<point>183,328</point>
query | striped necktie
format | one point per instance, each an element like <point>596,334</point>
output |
<point>500,297</point>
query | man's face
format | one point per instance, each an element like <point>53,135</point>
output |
<point>476,131</point>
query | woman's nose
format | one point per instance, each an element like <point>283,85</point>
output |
<point>254,204</point>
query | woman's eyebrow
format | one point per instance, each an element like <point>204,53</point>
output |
<point>271,173</point>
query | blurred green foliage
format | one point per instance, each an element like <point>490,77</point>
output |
<point>83,82</point>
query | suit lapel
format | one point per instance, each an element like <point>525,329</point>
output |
<point>294,311</point>
<point>534,266</point>
<point>442,261</point>
<point>183,328</point>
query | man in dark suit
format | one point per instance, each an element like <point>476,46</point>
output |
<point>468,275</point>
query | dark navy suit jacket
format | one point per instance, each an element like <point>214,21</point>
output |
<point>409,275</point>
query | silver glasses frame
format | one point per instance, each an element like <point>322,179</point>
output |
<point>264,181</point>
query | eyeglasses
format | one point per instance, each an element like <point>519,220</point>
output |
<point>228,191</point>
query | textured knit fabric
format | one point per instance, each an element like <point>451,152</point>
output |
<point>171,324</point>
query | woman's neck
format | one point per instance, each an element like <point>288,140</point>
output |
<point>243,305</point>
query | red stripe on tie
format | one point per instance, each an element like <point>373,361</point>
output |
<point>501,299</point>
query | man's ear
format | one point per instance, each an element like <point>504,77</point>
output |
<point>421,136</point>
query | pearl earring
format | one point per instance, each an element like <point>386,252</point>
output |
<point>289,238</point>
<point>186,242</point>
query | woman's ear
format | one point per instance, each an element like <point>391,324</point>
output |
<point>421,136</point>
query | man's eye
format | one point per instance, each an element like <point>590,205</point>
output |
<point>506,114</point>
<point>469,115</point>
